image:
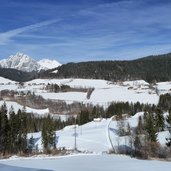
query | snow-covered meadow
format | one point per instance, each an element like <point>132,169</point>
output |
<point>104,92</point>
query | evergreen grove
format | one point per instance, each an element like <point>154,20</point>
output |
<point>14,128</point>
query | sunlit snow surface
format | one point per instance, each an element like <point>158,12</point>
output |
<point>90,163</point>
<point>20,168</point>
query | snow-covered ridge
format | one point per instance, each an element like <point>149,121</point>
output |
<point>24,62</point>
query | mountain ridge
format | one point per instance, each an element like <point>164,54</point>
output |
<point>25,63</point>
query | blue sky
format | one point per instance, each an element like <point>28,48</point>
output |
<point>84,30</point>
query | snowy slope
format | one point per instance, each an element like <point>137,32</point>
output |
<point>97,136</point>
<point>24,62</point>
<point>90,137</point>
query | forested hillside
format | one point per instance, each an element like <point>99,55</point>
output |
<point>150,69</point>
<point>17,75</point>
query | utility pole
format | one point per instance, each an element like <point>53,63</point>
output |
<point>75,138</point>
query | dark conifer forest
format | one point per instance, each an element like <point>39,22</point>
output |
<point>150,69</point>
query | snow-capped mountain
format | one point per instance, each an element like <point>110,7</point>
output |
<point>24,62</point>
<point>48,64</point>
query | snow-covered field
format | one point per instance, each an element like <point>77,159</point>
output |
<point>15,168</point>
<point>104,92</point>
<point>89,163</point>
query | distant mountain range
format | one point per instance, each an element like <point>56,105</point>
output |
<point>25,63</point>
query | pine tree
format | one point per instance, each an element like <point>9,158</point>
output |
<point>150,128</point>
<point>83,117</point>
<point>14,129</point>
<point>4,136</point>
<point>159,120</point>
<point>48,134</point>
<point>22,134</point>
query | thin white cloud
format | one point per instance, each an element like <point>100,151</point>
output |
<point>7,36</point>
